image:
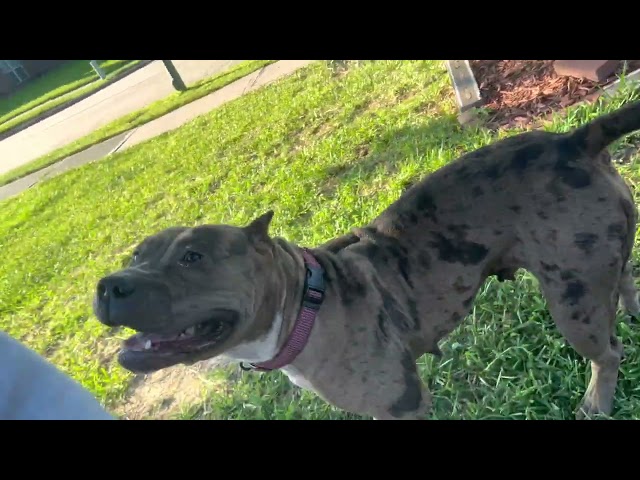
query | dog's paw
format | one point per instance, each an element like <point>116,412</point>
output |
<point>588,411</point>
<point>594,407</point>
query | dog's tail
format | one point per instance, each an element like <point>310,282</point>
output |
<point>596,135</point>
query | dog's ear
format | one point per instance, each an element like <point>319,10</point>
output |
<point>259,228</point>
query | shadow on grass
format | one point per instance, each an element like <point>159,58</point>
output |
<point>390,152</point>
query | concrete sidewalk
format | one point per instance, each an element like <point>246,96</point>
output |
<point>160,125</point>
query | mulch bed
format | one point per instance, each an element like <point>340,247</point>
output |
<point>517,92</point>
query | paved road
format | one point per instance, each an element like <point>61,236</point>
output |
<point>160,125</point>
<point>133,92</point>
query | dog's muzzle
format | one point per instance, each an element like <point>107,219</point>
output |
<point>126,299</point>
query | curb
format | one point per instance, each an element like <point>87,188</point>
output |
<point>124,140</point>
<point>63,106</point>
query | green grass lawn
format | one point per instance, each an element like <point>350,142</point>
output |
<point>139,117</point>
<point>327,151</point>
<point>64,83</point>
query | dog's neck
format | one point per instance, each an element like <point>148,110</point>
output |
<point>288,287</point>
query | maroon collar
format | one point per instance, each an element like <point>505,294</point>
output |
<point>311,301</point>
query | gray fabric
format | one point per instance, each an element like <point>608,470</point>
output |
<point>31,388</point>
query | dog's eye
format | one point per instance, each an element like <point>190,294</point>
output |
<point>191,257</point>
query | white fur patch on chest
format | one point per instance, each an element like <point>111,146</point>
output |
<point>260,350</point>
<point>264,349</point>
<point>296,377</point>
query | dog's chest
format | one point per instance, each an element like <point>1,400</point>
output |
<point>296,378</point>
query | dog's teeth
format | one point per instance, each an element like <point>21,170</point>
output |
<point>147,345</point>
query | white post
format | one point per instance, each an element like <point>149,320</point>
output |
<point>98,70</point>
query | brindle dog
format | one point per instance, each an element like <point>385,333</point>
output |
<point>549,203</point>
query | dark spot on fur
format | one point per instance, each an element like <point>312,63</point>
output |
<point>586,320</point>
<point>548,267</point>
<point>458,251</point>
<point>393,313</point>
<point>459,285</point>
<point>553,235</point>
<point>593,338</point>
<point>585,241</point>
<point>477,191</point>
<point>497,232</point>
<point>522,157</point>
<point>515,208</point>
<point>348,278</point>
<point>542,214</point>
<point>400,255</point>
<point>413,218</point>
<point>616,231</point>
<point>568,147</point>
<point>460,207</point>
<point>413,311</point>
<point>572,176</point>
<point>458,230</point>
<point>574,292</point>
<point>425,204</point>
<point>614,342</point>
<point>467,303</point>
<point>602,199</point>
<point>411,399</point>
<point>534,236</point>
<point>567,275</point>
<point>424,260</point>
<point>455,317</point>
<point>575,316</point>
<point>547,278</point>
<point>463,172</point>
<point>492,172</point>
<point>382,329</point>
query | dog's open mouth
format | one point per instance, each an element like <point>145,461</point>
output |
<point>152,351</point>
<point>190,338</point>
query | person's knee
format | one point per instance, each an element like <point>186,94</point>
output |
<point>31,388</point>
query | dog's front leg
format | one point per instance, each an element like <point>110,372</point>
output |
<point>405,397</point>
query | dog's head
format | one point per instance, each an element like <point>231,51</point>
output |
<point>190,293</point>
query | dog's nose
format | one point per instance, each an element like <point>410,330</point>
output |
<point>115,288</point>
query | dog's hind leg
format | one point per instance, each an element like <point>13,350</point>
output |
<point>629,293</point>
<point>583,305</point>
